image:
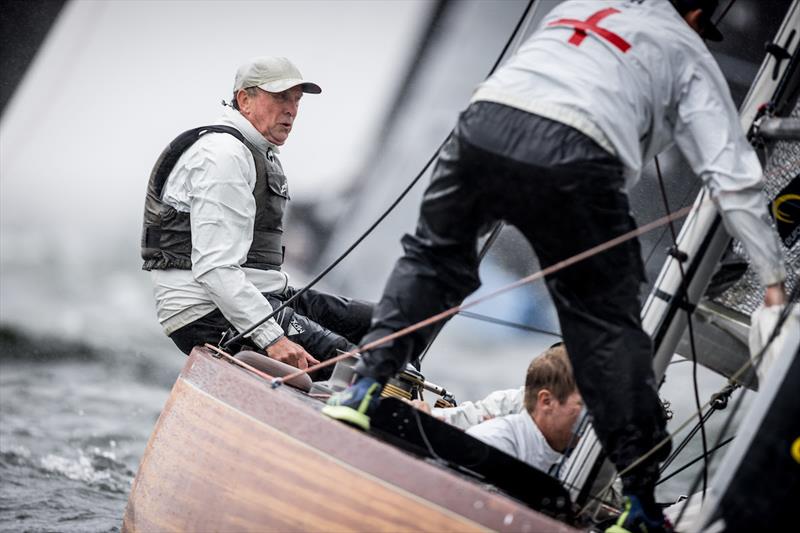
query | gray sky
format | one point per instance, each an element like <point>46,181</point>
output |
<point>116,80</point>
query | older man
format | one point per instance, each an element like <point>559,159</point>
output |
<point>213,226</point>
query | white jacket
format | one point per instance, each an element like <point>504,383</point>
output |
<point>213,180</point>
<point>520,437</point>
<point>498,403</point>
<point>639,80</point>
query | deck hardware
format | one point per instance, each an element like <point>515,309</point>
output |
<point>780,53</point>
<point>678,254</point>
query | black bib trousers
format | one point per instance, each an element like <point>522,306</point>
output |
<point>566,195</point>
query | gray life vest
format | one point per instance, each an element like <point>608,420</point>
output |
<point>166,232</point>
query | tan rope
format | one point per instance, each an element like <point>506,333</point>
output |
<point>242,364</point>
<point>533,277</point>
<point>276,381</point>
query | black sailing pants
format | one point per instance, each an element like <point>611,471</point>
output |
<point>565,194</point>
<point>321,323</point>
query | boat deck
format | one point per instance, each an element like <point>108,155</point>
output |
<point>231,453</point>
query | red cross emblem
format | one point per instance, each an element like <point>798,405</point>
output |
<point>582,27</point>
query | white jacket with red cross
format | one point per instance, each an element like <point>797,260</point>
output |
<point>636,78</point>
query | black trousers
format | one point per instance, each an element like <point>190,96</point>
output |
<point>565,194</point>
<point>321,323</point>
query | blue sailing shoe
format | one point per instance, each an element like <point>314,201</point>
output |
<point>634,520</point>
<point>354,404</point>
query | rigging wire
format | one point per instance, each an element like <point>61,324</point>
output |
<point>724,12</point>
<point>490,240</point>
<point>684,291</point>
<point>656,245</point>
<point>719,402</point>
<point>500,322</point>
<point>754,362</point>
<point>527,279</point>
<point>792,300</point>
<point>693,461</point>
<point>669,460</point>
<point>226,343</point>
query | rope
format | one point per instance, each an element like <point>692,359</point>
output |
<point>242,364</point>
<point>533,277</point>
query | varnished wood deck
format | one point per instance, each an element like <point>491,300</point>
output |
<point>230,454</point>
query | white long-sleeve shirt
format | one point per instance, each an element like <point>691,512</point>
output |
<point>520,437</point>
<point>213,181</point>
<point>639,80</point>
<point>497,403</point>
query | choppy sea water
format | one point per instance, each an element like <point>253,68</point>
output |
<point>74,422</point>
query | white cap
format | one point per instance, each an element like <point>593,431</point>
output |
<point>273,74</point>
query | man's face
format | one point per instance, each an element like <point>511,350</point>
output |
<point>561,418</point>
<point>273,114</point>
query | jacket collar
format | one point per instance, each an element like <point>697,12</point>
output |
<point>232,117</point>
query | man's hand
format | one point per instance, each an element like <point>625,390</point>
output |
<point>775,295</point>
<point>425,407</point>
<point>421,405</point>
<point>290,353</point>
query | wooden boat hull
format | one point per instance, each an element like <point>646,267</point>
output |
<point>229,453</point>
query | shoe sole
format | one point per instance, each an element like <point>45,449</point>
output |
<point>347,415</point>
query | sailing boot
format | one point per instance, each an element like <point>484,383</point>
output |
<point>634,519</point>
<point>354,404</point>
